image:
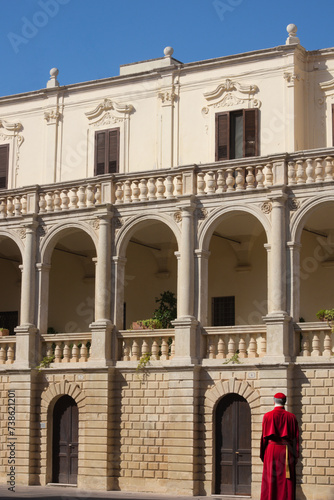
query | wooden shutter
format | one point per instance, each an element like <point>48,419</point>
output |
<point>251,140</point>
<point>100,152</point>
<point>4,159</point>
<point>332,124</point>
<point>113,151</point>
<point>222,136</point>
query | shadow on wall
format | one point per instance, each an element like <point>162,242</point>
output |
<point>300,381</point>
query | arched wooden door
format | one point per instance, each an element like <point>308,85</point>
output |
<point>65,441</point>
<point>233,446</point>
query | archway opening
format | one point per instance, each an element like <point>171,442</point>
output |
<point>72,283</point>
<point>233,467</point>
<point>237,284</point>
<point>10,291</point>
<point>65,441</point>
<point>151,269</point>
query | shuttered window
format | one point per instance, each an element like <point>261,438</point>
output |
<point>107,151</point>
<point>237,134</point>
<point>4,157</point>
<point>332,124</point>
<point>223,311</point>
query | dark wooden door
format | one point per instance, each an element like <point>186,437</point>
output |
<point>233,446</point>
<point>65,441</point>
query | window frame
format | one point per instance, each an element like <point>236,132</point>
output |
<point>6,168</point>
<point>107,133</point>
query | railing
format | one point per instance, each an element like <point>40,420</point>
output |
<point>7,350</point>
<point>159,344</point>
<point>310,170</point>
<point>313,340</point>
<point>67,348</point>
<point>224,342</point>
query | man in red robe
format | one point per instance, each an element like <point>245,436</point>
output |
<point>279,452</point>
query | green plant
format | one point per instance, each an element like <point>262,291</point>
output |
<point>150,323</point>
<point>51,330</point>
<point>233,359</point>
<point>327,315</point>
<point>167,310</point>
<point>45,363</point>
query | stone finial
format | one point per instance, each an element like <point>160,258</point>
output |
<point>292,38</point>
<point>53,82</point>
<point>168,51</point>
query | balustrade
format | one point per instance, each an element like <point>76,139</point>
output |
<point>159,344</point>
<point>67,348</point>
<point>7,352</point>
<point>314,340</point>
<point>57,200</point>
<point>310,170</point>
<point>227,342</point>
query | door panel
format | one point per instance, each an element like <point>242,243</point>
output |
<point>233,446</point>
<point>65,441</point>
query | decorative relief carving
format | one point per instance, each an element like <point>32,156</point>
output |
<point>22,232</point>
<point>42,230</point>
<point>107,105</point>
<point>266,207</point>
<point>201,213</point>
<point>118,223</point>
<point>9,132</point>
<point>108,119</point>
<point>178,216</point>
<point>291,77</point>
<point>293,204</point>
<point>167,96</point>
<point>52,116</point>
<point>95,223</point>
<point>231,93</point>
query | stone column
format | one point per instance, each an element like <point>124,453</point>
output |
<point>26,338</point>
<point>118,288</point>
<point>277,319</point>
<point>43,271</point>
<point>186,324</point>
<point>102,325</point>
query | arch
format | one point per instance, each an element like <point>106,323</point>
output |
<point>12,235</point>
<point>54,391</point>
<point>310,206</point>
<point>222,388</point>
<point>130,227</point>
<point>56,232</point>
<point>207,228</point>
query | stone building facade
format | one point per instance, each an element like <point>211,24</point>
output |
<point>212,180</point>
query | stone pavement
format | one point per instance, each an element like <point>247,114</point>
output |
<point>68,493</point>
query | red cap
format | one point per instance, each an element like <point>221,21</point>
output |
<point>280,395</point>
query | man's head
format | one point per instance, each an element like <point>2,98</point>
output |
<point>280,399</point>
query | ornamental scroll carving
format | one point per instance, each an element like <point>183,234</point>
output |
<point>107,105</point>
<point>11,131</point>
<point>52,116</point>
<point>231,93</point>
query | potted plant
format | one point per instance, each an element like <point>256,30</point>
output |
<point>327,315</point>
<point>163,316</point>
<point>4,332</point>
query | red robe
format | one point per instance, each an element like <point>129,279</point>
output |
<point>279,454</point>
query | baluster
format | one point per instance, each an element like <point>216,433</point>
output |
<point>135,191</point>
<point>75,353</point>
<point>42,203</point>
<point>10,207</point>
<point>200,183</point>
<point>178,185</point>
<point>17,206</point>
<point>64,199</point>
<point>211,183</point>
<point>211,347</point>
<point>221,349</point>
<point>328,169</point>
<point>151,189</point>
<point>327,345</point>
<point>90,195</point>
<point>83,352</point>
<point>3,354</point>
<point>143,190</point>
<point>291,173</point>
<point>73,199</point>
<point>231,347</point>
<point>58,352</point>
<point>172,349</point>
<point>135,351</point>
<point>300,172</point>
<point>66,352</point>
<point>220,182</point>
<point>306,345</point>
<point>269,175</point>
<point>242,347</point>
<point>119,193</point>
<point>259,176</point>
<point>56,201</point>
<point>127,192</point>
<point>318,170</point>
<point>144,347</point>
<point>263,346</point>
<point>309,171</point>
<point>49,201</point>
<point>230,179</point>
<point>160,188</point>
<point>82,197</point>
<point>126,351</point>
<point>315,345</point>
<point>10,354</point>
<point>164,349</point>
<point>98,195</point>
<point>169,187</point>
<point>250,179</point>
<point>155,350</point>
<point>49,350</point>
<point>3,208</point>
<point>240,179</point>
<point>252,348</point>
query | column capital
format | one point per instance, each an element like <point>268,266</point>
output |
<point>202,254</point>
<point>119,260</point>
<point>278,197</point>
<point>294,245</point>
<point>41,266</point>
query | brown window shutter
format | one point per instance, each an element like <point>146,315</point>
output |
<point>222,136</point>
<point>100,152</point>
<point>4,160</point>
<point>113,156</point>
<point>332,124</point>
<point>251,141</point>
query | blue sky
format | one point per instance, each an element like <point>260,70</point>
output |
<point>90,39</point>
